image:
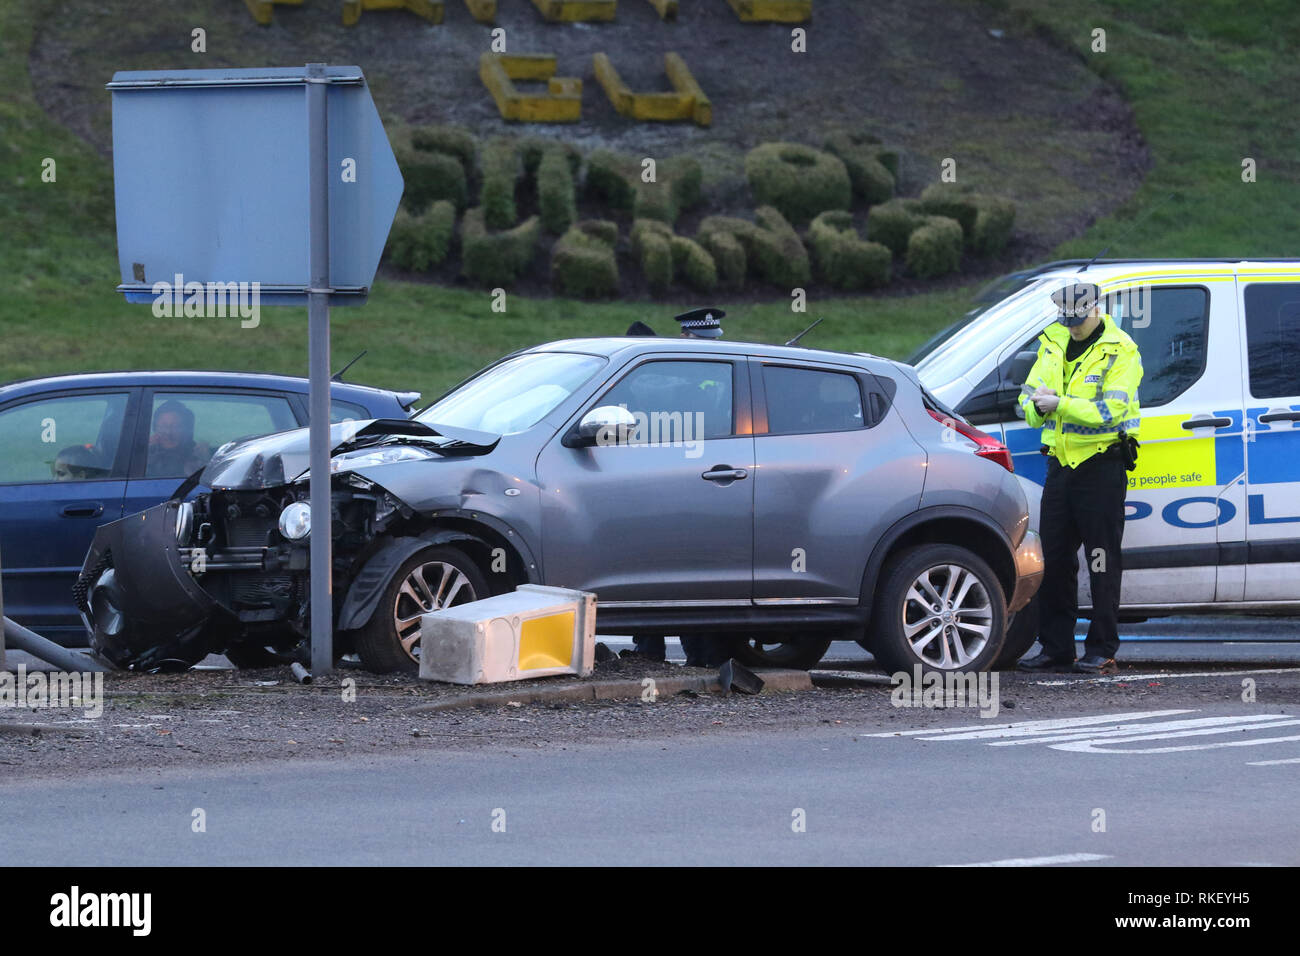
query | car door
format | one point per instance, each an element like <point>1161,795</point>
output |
<point>833,470</point>
<point>667,517</point>
<point>180,428</point>
<point>63,465</point>
<point>1186,496</point>
<point>1271,323</point>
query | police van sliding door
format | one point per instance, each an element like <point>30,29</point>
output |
<point>1185,512</point>
<point>1270,305</point>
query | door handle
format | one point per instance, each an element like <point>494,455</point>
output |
<point>89,509</point>
<point>1207,423</point>
<point>724,473</point>
<point>1279,417</point>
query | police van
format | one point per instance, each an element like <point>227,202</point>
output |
<point>1213,509</point>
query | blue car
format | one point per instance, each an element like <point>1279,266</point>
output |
<point>79,451</point>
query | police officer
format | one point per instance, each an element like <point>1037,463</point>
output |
<point>701,323</point>
<point>702,650</point>
<point>1082,391</point>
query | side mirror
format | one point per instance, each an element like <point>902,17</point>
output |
<point>603,425</point>
<point>1020,366</point>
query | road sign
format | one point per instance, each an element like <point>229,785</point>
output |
<point>210,174</point>
<point>282,177</point>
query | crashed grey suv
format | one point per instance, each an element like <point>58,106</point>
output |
<point>776,498</point>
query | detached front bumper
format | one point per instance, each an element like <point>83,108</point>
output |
<point>137,597</point>
<point>1029,571</point>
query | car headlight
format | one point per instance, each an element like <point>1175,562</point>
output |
<point>368,458</point>
<point>184,522</point>
<point>295,521</point>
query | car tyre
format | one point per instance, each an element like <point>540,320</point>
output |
<point>953,581</point>
<point>1022,632</point>
<point>429,580</point>
<point>797,655</point>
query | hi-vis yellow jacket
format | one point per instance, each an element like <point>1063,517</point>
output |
<point>1099,399</point>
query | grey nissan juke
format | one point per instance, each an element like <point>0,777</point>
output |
<point>773,497</point>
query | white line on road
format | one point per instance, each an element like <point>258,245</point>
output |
<point>1163,675</point>
<point>1096,747</point>
<point>1039,860</point>
<point>1271,763</point>
<point>1038,726</point>
<point>1168,728</point>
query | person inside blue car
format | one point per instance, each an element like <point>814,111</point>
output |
<point>173,452</point>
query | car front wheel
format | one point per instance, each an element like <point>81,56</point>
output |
<point>430,580</point>
<point>940,606</point>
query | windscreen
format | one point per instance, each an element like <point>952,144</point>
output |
<point>514,395</point>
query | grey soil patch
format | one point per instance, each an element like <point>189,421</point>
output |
<point>207,718</point>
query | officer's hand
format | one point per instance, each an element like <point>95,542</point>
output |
<point>1046,401</point>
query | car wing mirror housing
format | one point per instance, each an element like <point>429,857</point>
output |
<point>1020,366</point>
<point>603,425</point>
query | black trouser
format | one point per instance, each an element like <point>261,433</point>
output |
<point>1083,505</point>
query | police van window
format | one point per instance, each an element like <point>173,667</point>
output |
<point>694,395</point>
<point>802,401</point>
<point>1170,326</point>
<point>1273,339</point>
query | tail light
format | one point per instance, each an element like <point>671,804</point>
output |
<point>986,446</point>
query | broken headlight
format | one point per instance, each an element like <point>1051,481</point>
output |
<point>369,457</point>
<point>295,521</point>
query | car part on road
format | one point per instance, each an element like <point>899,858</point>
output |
<point>733,675</point>
<point>940,606</point>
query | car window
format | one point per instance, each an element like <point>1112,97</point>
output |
<point>347,412</point>
<point>186,427</point>
<point>1273,339</point>
<point>1170,327</point>
<point>668,392</point>
<point>803,400</point>
<point>71,438</point>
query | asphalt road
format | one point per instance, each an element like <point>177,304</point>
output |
<point>1226,794</point>
<point>1161,766</point>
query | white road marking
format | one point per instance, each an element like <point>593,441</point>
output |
<point>1271,763</point>
<point>1163,675</point>
<point>1036,726</point>
<point>1168,728</point>
<point>1039,860</point>
<point>1088,746</point>
<point>1105,734</point>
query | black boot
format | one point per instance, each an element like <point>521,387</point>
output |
<point>1096,664</point>
<point>1044,662</point>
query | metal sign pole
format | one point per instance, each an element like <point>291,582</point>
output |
<point>318,320</point>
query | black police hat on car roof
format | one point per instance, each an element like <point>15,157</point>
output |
<point>705,323</point>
